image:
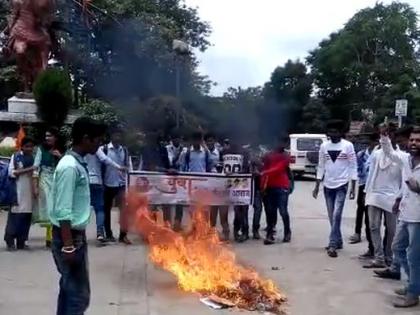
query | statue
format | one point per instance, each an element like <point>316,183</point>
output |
<point>30,37</point>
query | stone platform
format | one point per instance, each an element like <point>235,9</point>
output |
<point>24,110</point>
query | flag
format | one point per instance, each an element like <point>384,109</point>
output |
<point>19,138</point>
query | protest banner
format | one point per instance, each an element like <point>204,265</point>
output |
<point>189,188</point>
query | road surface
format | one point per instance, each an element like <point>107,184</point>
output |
<point>124,282</point>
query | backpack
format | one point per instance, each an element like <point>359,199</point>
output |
<point>188,157</point>
<point>8,194</point>
<point>105,151</point>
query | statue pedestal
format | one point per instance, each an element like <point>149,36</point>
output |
<point>21,105</point>
<point>24,110</point>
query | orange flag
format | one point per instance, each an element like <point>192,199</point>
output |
<point>19,138</point>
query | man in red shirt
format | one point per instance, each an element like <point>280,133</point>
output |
<point>276,184</point>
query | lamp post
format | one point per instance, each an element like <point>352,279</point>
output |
<point>180,48</point>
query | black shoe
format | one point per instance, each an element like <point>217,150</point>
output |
<point>10,247</point>
<point>240,238</point>
<point>374,265</point>
<point>287,238</point>
<point>269,240</point>
<point>111,239</point>
<point>22,246</point>
<point>388,274</point>
<point>367,255</point>
<point>125,240</point>
<point>256,235</point>
<point>332,253</point>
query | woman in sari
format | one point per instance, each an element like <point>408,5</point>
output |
<point>46,159</point>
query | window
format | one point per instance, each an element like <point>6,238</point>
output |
<point>307,144</point>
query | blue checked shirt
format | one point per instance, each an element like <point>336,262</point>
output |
<point>363,162</point>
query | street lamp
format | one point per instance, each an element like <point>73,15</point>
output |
<point>180,48</point>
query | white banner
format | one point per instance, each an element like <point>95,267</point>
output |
<point>232,163</point>
<point>187,188</point>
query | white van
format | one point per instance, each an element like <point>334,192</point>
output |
<point>304,149</point>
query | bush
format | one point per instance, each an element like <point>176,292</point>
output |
<point>6,151</point>
<point>53,95</point>
<point>102,112</point>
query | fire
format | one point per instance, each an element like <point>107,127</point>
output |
<point>202,264</point>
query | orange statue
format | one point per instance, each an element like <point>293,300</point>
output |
<point>30,38</point>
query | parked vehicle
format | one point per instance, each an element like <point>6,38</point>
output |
<point>304,152</point>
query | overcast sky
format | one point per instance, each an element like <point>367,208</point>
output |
<point>251,37</point>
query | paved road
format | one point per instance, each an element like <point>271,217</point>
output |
<point>125,283</point>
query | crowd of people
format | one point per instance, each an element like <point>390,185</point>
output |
<point>32,170</point>
<point>387,172</point>
<point>58,188</point>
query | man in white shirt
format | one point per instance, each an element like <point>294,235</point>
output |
<point>337,167</point>
<point>382,189</point>
<point>406,245</point>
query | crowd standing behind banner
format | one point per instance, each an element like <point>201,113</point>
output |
<point>389,187</point>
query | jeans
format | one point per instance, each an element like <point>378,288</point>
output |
<point>223,212</point>
<point>116,194</point>
<point>383,252</point>
<point>74,295</point>
<point>97,202</point>
<point>240,222</point>
<point>277,199</point>
<point>335,199</point>
<point>406,247</point>
<point>257,210</point>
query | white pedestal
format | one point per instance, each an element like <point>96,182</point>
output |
<point>21,105</point>
<point>24,110</point>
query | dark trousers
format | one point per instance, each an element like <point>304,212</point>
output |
<point>179,213</point>
<point>223,213</point>
<point>240,222</point>
<point>258,207</point>
<point>362,211</point>
<point>117,195</point>
<point>74,295</point>
<point>277,199</point>
<point>17,228</point>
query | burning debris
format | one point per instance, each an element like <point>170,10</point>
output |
<point>202,264</point>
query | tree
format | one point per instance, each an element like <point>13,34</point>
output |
<point>371,62</point>
<point>53,96</point>
<point>285,95</point>
<point>314,117</point>
<point>126,50</point>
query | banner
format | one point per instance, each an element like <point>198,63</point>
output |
<point>188,188</point>
<point>232,163</point>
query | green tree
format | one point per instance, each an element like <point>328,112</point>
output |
<point>53,96</point>
<point>314,117</point>
<point>371,62</point>
<point>285,95</point>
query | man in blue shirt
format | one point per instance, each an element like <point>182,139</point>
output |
<point>70,215</point>
<point>114,178</point>
<point>363,162</point>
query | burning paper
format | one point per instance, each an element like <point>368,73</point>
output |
<point>202,264</point>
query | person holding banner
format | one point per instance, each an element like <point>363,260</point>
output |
<point>158,158</point>
<point>222,211</point>
<point>236,161</point>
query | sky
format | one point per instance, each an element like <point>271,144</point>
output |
<point>251,38</point>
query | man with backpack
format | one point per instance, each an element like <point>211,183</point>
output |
<point>114,177</point>
<point>196,159</point>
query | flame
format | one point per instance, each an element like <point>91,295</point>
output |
<point>202,264</point>
<point>21,134</point>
